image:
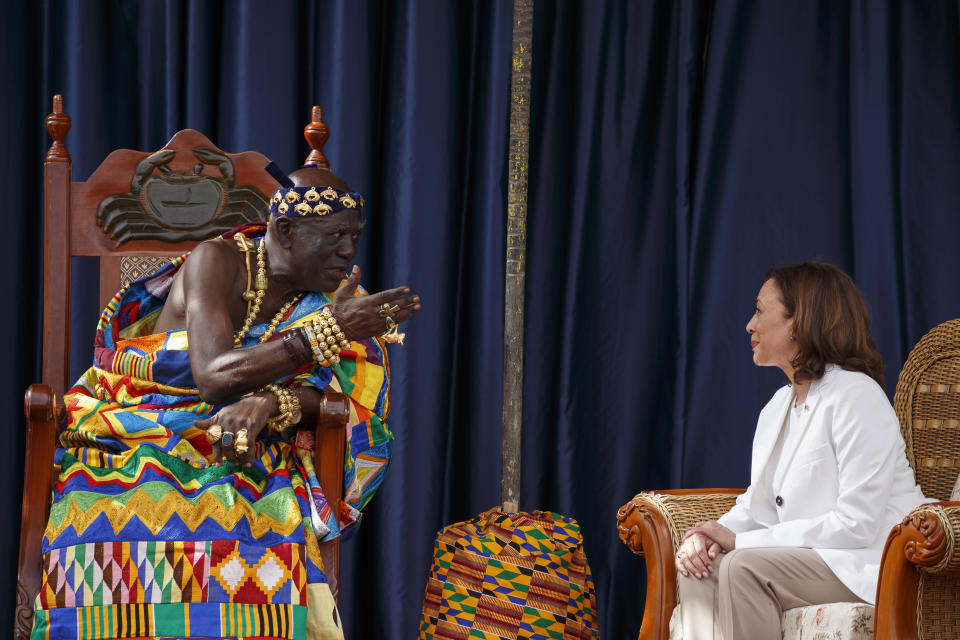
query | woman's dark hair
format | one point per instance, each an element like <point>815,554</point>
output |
<point>831,323</point>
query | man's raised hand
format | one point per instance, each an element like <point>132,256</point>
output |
<point>359,316</point>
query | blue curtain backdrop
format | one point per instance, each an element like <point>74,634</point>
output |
<point>678,150</point>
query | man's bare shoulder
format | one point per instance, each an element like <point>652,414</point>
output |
<point>216,249</point>
<point>217,256</point>
<point>213,266</point>
<point>208,277</point>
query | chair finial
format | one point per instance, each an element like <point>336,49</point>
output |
<point>316,134</point>
<point>58,124</point>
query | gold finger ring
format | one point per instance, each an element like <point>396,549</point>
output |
<point>386,310</point>
<point>240,446</point>
<point>228,438</point>
<point>214,433</point>
<point>390,323</point>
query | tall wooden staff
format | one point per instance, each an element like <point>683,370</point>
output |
<point>516,254</point>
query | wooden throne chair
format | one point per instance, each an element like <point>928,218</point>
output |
<point>135,213</point>
<point>918,595</point>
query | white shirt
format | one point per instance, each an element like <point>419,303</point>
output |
<point>787,442</point>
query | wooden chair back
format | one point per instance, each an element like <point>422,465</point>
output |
<point>927,402</point>
<point>137,211</point>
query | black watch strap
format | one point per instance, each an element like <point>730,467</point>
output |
<point>299,353</point>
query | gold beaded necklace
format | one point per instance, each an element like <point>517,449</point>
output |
<point>272,327</point>
<point>255,298</point>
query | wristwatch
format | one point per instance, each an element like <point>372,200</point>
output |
<point>297,346</point>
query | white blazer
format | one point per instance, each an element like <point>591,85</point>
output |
<point>846,483</point>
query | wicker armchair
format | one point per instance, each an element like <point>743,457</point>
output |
<point>919,590</point>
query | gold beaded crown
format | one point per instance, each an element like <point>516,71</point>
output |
<point>294,202</point>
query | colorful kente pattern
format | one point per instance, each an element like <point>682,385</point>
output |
<point>107,573</point>
<point>174,620</point>
<point>146,537</point>
<point>499,575</point>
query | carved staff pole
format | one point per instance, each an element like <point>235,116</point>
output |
<point>516,254</point>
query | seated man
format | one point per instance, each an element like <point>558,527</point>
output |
<point>185,505</point>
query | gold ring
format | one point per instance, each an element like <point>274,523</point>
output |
<point>390,323</point>
<point>228,438</point>
<point>214,433</point>
<point>386,310</point>
<point>240,446</point>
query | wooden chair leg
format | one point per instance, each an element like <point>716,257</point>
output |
<point>41,443</point>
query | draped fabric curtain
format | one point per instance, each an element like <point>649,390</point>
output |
<point>678,149</point>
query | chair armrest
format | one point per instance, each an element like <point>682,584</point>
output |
<point>330,439</point>
<point>927,540</point>
<point>652,525</point>
<point>676,511</point>
<point>329,447</point>
<point>40,444</point>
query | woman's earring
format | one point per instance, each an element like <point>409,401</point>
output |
<point>792,339</point>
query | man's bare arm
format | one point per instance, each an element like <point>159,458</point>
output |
<point>221,372</point>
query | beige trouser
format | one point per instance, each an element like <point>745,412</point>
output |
<point>750,588</point>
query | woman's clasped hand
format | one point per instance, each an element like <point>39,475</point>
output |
<point>700,547</point>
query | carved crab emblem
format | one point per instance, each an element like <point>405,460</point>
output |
<point>175,206</point>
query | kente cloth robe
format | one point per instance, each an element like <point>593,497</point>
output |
<point>147,537</point>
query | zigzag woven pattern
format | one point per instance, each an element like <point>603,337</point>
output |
<point>510,576</point>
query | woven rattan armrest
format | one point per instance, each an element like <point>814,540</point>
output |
<point>652,525</point>
<point>928,540</point>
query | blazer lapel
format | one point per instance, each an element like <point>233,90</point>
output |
<point>767,436</point>
<point>809,409</point>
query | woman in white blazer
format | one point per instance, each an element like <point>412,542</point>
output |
<point>829,476</point>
